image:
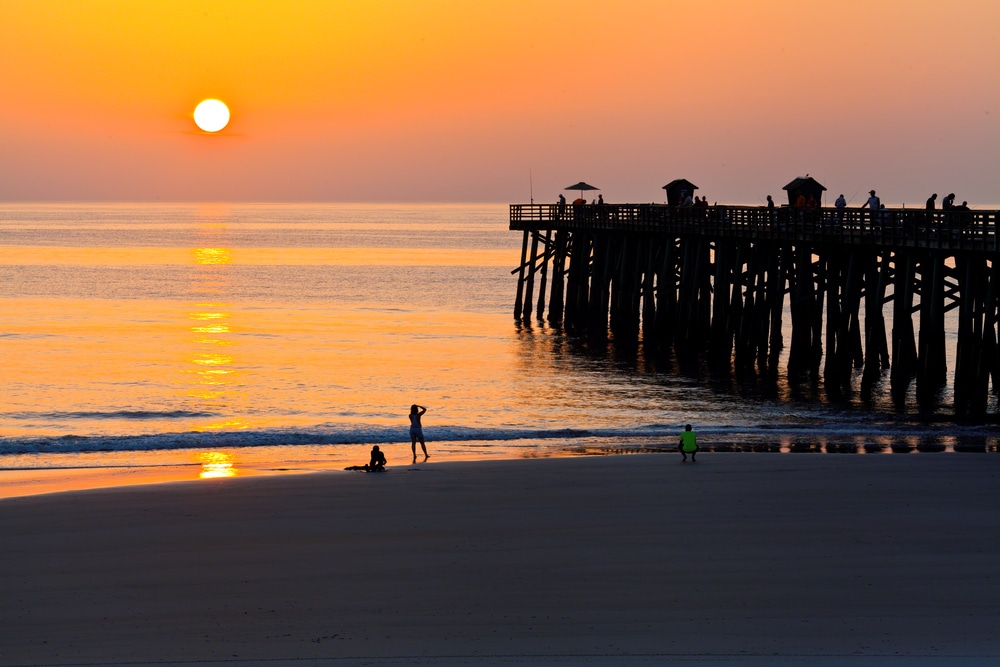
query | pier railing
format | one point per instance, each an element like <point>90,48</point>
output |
<point>970,230</point>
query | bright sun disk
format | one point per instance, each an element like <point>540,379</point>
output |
<point>211,115</point>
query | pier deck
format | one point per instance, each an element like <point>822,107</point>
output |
<point>974,230</point>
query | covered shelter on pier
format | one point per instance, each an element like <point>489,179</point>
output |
<point>676,187</point>
<point>807,186</point>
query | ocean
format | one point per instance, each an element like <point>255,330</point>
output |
<point>291,337</point>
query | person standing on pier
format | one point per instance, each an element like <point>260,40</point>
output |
<point>841,205</point>
<point>688,444</point>
<point>873,204</point>
<point>931,202</point>
<point>417,430</point>
<point>771,213</point>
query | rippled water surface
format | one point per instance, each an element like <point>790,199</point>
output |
<point>139,335</point>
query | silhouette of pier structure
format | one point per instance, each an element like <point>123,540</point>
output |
<point>717,282</point>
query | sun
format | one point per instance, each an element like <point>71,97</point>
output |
<point>211,115</point>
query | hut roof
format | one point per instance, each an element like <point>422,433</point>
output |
<point>803,180</point>
<point>680,182</point>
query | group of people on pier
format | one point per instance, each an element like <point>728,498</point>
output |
<point>952,221</point>
<point>947,204</point>
<point>801,202</point>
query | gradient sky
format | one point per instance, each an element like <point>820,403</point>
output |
<point>453,100</point>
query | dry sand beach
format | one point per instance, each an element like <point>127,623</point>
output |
<point>738,559</point>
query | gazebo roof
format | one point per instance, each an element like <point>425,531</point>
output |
<point>803,180</point>
<point>680,182</point>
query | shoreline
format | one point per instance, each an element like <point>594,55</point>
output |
<point>191,465</point>
<point>200,465</point>
<point>588,560</point>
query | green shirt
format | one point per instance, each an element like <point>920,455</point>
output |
<point>688,441</point>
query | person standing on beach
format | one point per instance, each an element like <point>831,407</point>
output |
<point>688,444</point>
<point>417,430</point>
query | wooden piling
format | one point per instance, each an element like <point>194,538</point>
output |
<point>519,301</point>
<point>529,281</point>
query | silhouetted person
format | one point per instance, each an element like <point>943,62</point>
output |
<point>688,444</point>
<point>600,200</point>
<point>931,202</point>
<point>770,202</point>
<point>873,204</point>
<point>417,430</point>
<point>948,202</point>
<point>377,462</point>
<point>562,204</point>
<point>883,215</point>
<point>841,205</point>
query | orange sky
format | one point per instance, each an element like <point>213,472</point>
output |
<point>450,100</point>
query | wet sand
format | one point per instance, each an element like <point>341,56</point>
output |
<point>738,559</point>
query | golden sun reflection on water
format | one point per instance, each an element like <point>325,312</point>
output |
<point>213,256</point>
<point>213,360</point>
<point>214,329</point>
<point>212,370</point>
<point>209,316</point>
<point>228,425</point>
<point>217,464</point>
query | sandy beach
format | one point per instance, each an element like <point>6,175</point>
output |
<point>738,559</point>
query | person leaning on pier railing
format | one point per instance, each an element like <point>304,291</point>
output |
<point>873,204</point>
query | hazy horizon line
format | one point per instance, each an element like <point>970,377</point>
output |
<point>986,206</point>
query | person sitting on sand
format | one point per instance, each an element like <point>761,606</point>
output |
<point>417,430</point>
<point>688,444</point>
<point>376,464</point>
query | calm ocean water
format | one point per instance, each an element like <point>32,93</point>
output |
<point>137,334</point>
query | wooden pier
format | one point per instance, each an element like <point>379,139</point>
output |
<point>712,283</point>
